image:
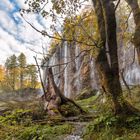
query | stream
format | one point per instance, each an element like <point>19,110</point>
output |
<point>77,133</point>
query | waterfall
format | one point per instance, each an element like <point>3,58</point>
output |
<point>132,69</point>
<point>55,69</point>
<point>93,75</point>
<point>132,75</point>
<point>66,71</point>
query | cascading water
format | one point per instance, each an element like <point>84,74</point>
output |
<point>55,69</point>
<point>132,68</point>
<point>66,71</point>
<point>93,75</point>
<point>132,75</point>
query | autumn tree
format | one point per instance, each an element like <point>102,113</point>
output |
<point>32,76</point>
<point>11,71</point>
<point>2,73</point>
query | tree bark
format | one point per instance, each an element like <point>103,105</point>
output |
<point>136,14</point>
<point>109,69</point>
<point>55,98</point>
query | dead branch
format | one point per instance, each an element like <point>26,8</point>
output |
<point>42,84</point>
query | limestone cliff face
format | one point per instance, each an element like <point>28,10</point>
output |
<point>72,74</point>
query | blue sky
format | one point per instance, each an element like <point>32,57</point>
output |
<point>16,35</point>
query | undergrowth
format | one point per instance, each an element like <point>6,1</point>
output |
<point>110,127</point>
<point>20,125</point>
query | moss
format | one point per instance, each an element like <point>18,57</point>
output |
<point>45,132</point>
<point>88,104</point>
<point>18,116</point>
<point>69,110</point>
<point>19,125</point>
<point>86,93</point>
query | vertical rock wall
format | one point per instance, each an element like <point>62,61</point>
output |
<point>72,74</point>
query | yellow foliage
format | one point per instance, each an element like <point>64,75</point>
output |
<point>2,73</point>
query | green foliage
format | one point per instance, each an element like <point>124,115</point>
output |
<point>11,72</point>
<point>18,116</point>
<point>69,110</point>
<point>111,127</point>
<point>22,69</point>
<point>31,131</point>
<point>32,76</point>
<point>45,132</point>
<point>88,104</point>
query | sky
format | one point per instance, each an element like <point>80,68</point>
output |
<point>16,35</point>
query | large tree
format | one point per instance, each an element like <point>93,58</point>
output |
<point>107,59</point>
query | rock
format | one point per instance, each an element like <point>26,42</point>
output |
<point>86,93</point>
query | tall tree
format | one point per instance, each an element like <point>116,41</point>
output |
<point>22,69</point>
<point>11,71</point>
<point>107,59</point>
<point>32,74</point>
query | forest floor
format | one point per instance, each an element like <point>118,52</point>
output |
<point>26,120</point>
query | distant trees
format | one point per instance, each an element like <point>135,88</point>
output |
<point>1,72</point>
<point>17,74</point>
<point>22,69</point>
<point>32,76</point>
<point>11,71</point>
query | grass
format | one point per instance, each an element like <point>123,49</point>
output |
<point>21,121</point>
<point>88,104</point>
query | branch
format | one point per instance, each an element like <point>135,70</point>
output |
<point>117,4</point>
<point>40,77</point>
<point>44,33</point>
<point>125,83</point>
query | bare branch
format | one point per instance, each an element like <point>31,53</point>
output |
<point>117,4</point>
<point>44,33</point>
<point>42,84</point>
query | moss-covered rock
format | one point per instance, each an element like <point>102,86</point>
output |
<point>69,110</point>
<point>86,93</point>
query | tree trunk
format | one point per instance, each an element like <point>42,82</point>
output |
<point>54,98</point>
<point>107,59</point>
<point>136,14</point>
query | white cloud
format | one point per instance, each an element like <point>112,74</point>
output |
<point>21,3</point>
<point>6,22</point>
<point>16,35</point>
<point>7,5</point>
